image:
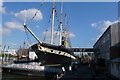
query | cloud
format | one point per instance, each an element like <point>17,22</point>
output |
<point>56,36</point>
<point>14,44</point>
<point>12,13</point>
<point>9,26</point>
<point>93,25</point>
<point>101,26</point>
<point>2,9</point>
<point>72,34</point>
<point>56,33</point>
<point>4,31</point>
<point>29,14</point>
<point>37,26</point>
<point>14,25</point>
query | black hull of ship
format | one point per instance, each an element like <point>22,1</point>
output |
<point>53,59</point>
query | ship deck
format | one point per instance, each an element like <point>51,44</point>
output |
<point>31,69</point>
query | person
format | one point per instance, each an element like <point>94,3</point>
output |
<point>73,67</point>
<point>63,70</point>
<point>64,41</point>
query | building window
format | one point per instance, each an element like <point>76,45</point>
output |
<point>108,37</point>
<point>117,66</point>
<point>111,65</point>
<point>103,40</point>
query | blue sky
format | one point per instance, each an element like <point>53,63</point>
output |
<point>86,20</point>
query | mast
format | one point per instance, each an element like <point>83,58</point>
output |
<point>53,18</point>
<point>32,34</point>
<point>60,33</point>
<point>66,32</point>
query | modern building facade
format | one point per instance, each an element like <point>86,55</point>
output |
<point>107,46</point>
<point>102,46</point>
<point>115,68</point>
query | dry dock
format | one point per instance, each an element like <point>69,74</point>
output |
<point>31,69</point>
<point>83,72</point>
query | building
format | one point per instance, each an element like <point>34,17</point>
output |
<point>107,46</point>
<point>115,68</point>
<point>8,55</point>
<point>22,54</point>
<point>10,51</point>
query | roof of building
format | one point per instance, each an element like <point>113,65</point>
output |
<point>102,35</point>
<point>105,32</point>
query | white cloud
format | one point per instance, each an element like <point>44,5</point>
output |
<point>56,33</point>
<point>9,26</point>
<point>29,14</point>
<point>56,36</point>
<point>2,9</point>
<point>14,25</point>
<point>12,13</point>
<point>72,34</point>
<point>101,26</point>
<point>98,37</point>
<point>93,25</point>
<point>37,26</point>
<point>4,31</point>
<point>14,44</point>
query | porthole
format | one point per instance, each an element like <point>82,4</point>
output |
<point>40,47</point>
<point>51,50</point>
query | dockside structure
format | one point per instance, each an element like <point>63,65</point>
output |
<point>107,47</point>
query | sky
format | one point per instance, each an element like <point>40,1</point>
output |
<point>86,21</point>
<point>63,0</point>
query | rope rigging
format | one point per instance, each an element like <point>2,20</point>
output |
<point>44,39</point>
<point>45,36</point>
<point>26,32</point>
<point>29,41</point>
<point>66,32</point>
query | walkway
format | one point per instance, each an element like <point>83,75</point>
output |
<point>83,72</point>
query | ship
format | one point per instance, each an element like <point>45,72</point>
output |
<point>48,53</point>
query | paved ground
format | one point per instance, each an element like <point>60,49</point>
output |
<point>83,72</point>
